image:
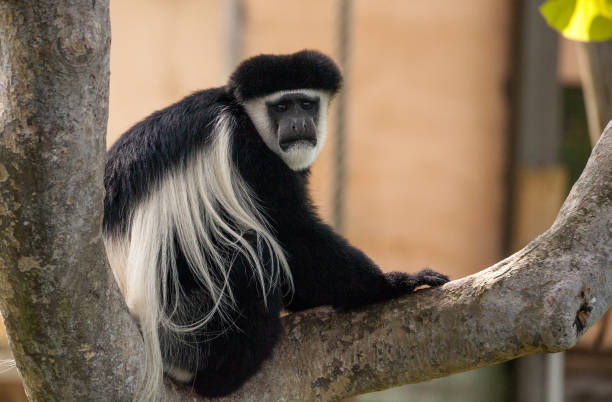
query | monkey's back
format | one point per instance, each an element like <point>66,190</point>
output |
<point>161,142</point>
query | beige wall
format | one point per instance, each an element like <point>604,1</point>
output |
<point>428,125</point>
<point>161,51</point>
<point>426,112</point>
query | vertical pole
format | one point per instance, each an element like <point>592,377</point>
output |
<point>596,75</point>
<point>554,377</point>
<point>233,34</point>
<point>344,19</point>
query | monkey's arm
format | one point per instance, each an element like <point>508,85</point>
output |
<point>327,270</point>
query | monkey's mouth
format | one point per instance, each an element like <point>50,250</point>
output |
<point>295,142</point>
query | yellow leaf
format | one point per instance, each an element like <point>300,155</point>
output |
<point>583,20</point>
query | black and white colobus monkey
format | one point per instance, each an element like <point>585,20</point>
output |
<point>210,231</point>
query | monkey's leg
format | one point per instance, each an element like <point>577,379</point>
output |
<point>234,356</point>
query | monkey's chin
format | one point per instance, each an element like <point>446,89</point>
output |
<point>300,155</point>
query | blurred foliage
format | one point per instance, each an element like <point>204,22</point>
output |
<point>575,144</point>
<point>583,20</point>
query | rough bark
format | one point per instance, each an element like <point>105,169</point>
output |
<point>72,336</point>
<point>70,333</point>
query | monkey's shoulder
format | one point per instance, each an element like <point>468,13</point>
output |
<point>159,143</point>
<point>171,132</point>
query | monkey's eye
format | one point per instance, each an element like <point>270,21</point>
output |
<point>307,105</point>
<point>280,107</point>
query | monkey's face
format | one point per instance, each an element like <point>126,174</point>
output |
<point>293,124</point>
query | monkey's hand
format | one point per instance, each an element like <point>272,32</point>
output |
<point>403,283</point>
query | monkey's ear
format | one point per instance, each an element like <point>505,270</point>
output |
<point>265,74</point>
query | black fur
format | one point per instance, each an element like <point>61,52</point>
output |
<point>325,268</point>
<point>265,74</point>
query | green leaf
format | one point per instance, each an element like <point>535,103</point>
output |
<point>583,20</point>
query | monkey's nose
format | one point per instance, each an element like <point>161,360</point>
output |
<point>298,125</point>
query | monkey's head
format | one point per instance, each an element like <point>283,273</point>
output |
<point>287,98</point>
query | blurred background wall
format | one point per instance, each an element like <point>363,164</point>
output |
<point>430,126</point>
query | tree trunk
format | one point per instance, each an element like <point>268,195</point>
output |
<point>70,332</point>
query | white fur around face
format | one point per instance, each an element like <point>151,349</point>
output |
<point>302,155</point>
